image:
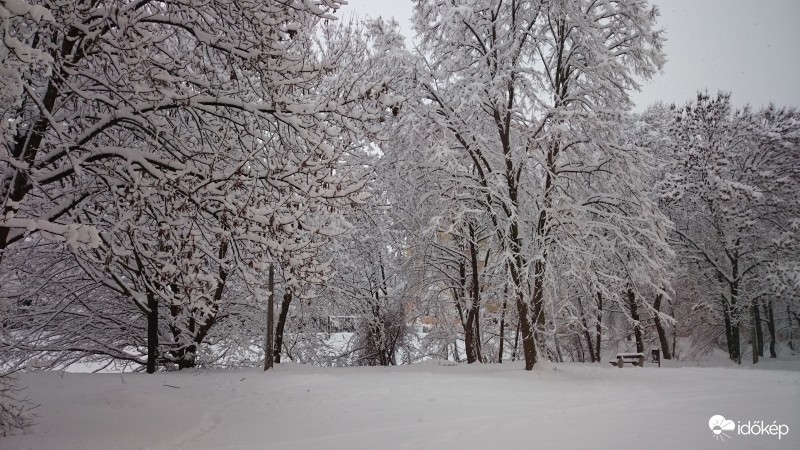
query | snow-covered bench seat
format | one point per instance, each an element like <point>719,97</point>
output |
<point>637,359</point>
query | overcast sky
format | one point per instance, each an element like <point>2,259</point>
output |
<point>748,47</point>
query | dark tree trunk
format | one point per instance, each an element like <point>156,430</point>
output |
<point>287,299</point>
<point>737,334</point>
<point>599,330</point>
<point>538,295</point>
<point>15,184</point>
<point>502,329</point>
<point>790,314</point>
<point>376,337</point>
<point>674,331</point>
<point>469,321</point>
<point>579,348</point>
<point>269,336</point>
<point>735,313</point>
<point>662,335</point>
<point>186,355</point>
<point>729,329</point>
<point>472,331</point>
<point>586,333</point>
<point>526,328</point>
<point>528,343</point>
<point>753,334</point>
<point>759,329</point>
<point>728,314</point>
<point>516,343</point>
<point>637,325</point>
<point>152,332</point>
<point>771,328</point>
<point>589,344</point>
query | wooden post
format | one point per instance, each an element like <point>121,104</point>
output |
<point>268,340</point>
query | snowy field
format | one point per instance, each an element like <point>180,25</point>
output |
<point>435,405</point>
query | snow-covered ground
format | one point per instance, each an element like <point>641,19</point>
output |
<point>435,404</point>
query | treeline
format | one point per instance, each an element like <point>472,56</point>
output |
<point>486,196</point>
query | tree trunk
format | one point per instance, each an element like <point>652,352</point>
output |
<point>473,314</point>
<point>469,323</point>
<point>559,356</point>
<point>16,184</point>
<point>152,332</point>
<point>771,328</point>
<point>502,330</point>
<point>753,334</point>
<point>728,313</point>
<point>515,267</point>
<point>186,355</point>
<point>586,333</point>
<point>579,349</point>
<point>528,343</point>
<point>674,331</point>
<point>759,329</point>
<point>738,345</point>
<point>729,333</point>
<point>269,349</point>
<point>637,325</point>
<point>598,332</point>
<point>662,335</point>
<point>734,298</point>
<point>287,299</point>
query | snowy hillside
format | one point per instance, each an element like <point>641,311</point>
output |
<point>435,404</point>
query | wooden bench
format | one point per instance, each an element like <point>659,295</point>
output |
<point>637,359</point>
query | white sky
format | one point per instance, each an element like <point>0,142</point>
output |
<point>748,47</point>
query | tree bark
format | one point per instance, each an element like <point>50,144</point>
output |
<point>16,184</point>
<point>674,331</point>
<point>580,352</point>
<point>586,333</point>
<point>526,328</point>
<point>771,328</point>
<point>269,349</point>
<point>528,343</point>
<point>502,330</point>
<point>152,332</point>
<point>738,344</point>
<point>637,325</point>
<point>599,330</point>
<point>753,334</point>
<point>186,355</point>
<point>516,343</point>
<point>662,335</point>
<point>759,329</point>
<point>287,299</point>
<point>473,315</point>
<point>734,298</point>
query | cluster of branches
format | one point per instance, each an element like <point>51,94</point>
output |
<point>488,195</point>
<point>156,157</point>
<point>731,183</point>
<point>541,202</point>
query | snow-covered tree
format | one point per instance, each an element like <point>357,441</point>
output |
<point>525,96</point>
<point>732,193</point>
<point>185,141</point>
